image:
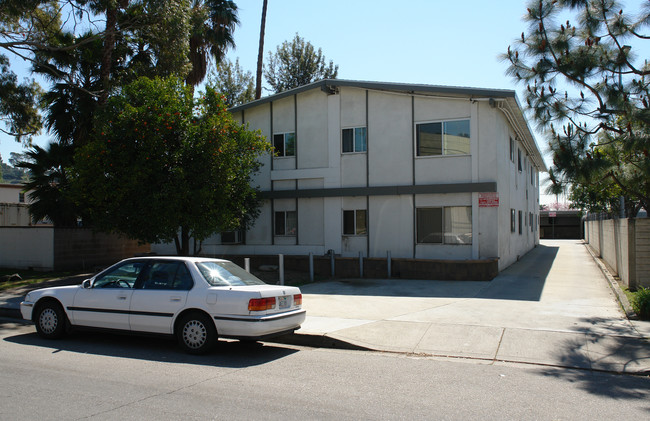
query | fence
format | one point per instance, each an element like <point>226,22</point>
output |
<point>624,244</point>
<point>49,248</point>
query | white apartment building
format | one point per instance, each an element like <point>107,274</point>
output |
<point>420,171</point>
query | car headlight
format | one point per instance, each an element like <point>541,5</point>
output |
<point>27,297</point>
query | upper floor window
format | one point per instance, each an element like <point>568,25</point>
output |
<point>284,144</point>
<point>21,197</point>
<point>512,149</point>
<point>355,222</point>
<point>443,138</point>
<point>519,160</point>
<point>354,140</point>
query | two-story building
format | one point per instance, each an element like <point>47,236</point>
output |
<point>420,171</point>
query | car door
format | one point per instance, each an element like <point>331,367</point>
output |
<point>106,302</point>
<point>161,293</point>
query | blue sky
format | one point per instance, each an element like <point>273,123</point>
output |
<point>438,42</point>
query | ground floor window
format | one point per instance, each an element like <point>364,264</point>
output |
<point>513,220</point>
<point>355,222</point>
<point>286,223</point>
<point>232,237</point>
<point>447,225</point>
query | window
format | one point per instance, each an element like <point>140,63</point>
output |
<point>354,140</point>
<point>520,221</point>
<point>532,176</point>
<point>512,149</point>
<point>519,159</point>
<point>231,237</point>
<point>21,197</point>
<point>355,222</point>
<point>530,218</point>
<point>449,225</point>
<point>122,276</point>
<point>443,138</point>
<point>285,223</point>
<point>284,144</point>
<point>167,275</point>
<point>513,221</point>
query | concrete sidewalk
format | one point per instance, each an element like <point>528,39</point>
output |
<point>554,307</point>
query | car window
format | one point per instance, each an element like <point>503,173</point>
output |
<point>226,274</point>
<point>121,276</point>
<point>167,275</point>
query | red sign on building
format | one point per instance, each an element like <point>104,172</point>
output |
<point>488,200</point>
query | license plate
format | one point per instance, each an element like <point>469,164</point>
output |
<point>284,301</point>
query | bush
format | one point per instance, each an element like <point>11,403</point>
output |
<point>641,303</point>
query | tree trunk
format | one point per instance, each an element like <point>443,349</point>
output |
<point>107,53</point>
<point>260,54</point>
<point>183,243</point>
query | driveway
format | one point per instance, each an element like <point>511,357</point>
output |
<point>553,307</point>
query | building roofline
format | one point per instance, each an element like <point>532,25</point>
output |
<point>503,99</point>
<point>13,186</point>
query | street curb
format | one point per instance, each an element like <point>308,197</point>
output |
<point>620,295</point>
<point>316,341</point>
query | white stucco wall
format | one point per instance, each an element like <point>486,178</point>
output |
<point>391,119</point>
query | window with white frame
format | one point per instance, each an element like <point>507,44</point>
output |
<point>355,222</point>
<point>286,223</point>
<point>354,140</point>
<point>443,138</point>
<point>284,144</point>
<point>448,225</point>
<point>512,149</point>
<point>513,220</point>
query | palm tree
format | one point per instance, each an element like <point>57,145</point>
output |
<point>213,24</point>
<point>49,184</point>
<point>260,53</point>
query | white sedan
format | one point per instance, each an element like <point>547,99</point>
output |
<point>196,299</point>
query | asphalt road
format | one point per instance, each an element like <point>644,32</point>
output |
<point>99,376</point>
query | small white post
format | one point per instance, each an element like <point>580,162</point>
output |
<point>281,268</point>
<point>247,264</point>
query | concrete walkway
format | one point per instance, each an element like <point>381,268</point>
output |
<point>554,307</point>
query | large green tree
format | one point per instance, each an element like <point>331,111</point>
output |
<point>233,83</point>
<point>589,89</point>
<point>165,167</point>
<point>297,63</point>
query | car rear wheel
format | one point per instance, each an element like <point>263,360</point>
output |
<point>196,333</point>
<point>50,320</point>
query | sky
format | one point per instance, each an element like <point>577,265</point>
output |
<point>436,42</point>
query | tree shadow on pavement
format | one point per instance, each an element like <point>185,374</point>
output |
<point>605,361</point>
<point>230,354</point>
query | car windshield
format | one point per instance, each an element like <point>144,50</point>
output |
<point>226,274</point>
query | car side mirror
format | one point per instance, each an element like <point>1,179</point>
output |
<point>86,284</point>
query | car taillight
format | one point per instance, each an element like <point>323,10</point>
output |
<point>297,300</point>
<point>261,304</point>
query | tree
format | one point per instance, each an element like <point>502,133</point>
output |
<point>50,184</point>
<point>233,83</point>
<point>165,167</point>
<point>260,54</point>
<point>213,24</point>
<point>585,77</point>
<point>297,63</point>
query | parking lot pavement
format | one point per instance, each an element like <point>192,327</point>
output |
<point>553,307</point>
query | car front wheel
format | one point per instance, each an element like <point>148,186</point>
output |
<point>196,333</point>
<point>50,320</point>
